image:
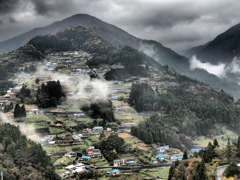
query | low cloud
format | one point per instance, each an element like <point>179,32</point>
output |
<point>229,71</point>
<point>218,70</point>
<point>26,129</point>
<point>81,84</point>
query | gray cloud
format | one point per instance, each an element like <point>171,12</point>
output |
<point>7,6</point>
<point>178,24</point>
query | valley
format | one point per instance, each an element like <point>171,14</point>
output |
<point>93,110</point>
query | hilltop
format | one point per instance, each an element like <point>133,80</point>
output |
<point>110,33</point>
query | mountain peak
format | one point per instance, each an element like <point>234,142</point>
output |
<point>223,48</point>
<point>111,33</point>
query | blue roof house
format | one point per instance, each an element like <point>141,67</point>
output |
<point>196,149</point>
<point>113,172</point>
<point>97,128</point>
<point>86,158</point>
<point>161,157</point>
<point>163,148</point>
<point>176,158</point>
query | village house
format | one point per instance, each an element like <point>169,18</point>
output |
<point>119,162</point>
<point>65,174</point>
<point>162,148</point>
<point>113,172</point>
<point>196,149</point>
<point>131,162</point>
<point>97,128</point>
<point>85,158</point>
<point>114,97</point>
<point>77,137</point>
<point>87,130</point>
<point>175,158</point>
<point>70,154</point>
<point>92,152</point>
<point>161,157</point>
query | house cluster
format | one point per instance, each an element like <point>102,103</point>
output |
<point>124,162</point>
<point>73,169</point>
<point>92,152</point>
<point>159,150</point>
<point>163,157</point>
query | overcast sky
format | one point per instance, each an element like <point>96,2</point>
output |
<point>177,24</point>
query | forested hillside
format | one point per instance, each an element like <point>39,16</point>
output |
<point>186,109</point>
<point>22,158</point>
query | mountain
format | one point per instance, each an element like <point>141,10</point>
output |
<point>189,53</point>
<point>195,106</point>
<point>116,36</point>
<point>111,33</point>
<point>223,48</point>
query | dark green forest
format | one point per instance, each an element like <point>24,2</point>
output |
<point>100,110</point>
<point>50,95</point>
<point>22,158</point>
<point>188,109</point>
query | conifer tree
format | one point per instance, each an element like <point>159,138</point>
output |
<point>202,171</point>
<point>185,155</point>
<point>228,151</point>
<point>16,111</point>
<point>215,143</point>
<point>172,169</point>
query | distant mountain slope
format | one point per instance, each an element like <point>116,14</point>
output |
<point>223,48</point>
<point>117,36</point>
<point>111,33</point>
<point>189,53</point>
